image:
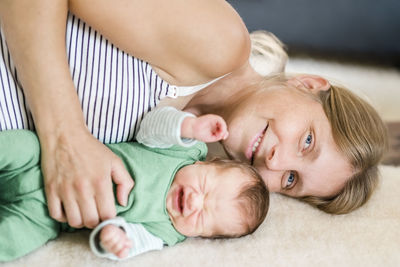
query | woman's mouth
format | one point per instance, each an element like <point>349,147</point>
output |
<point>254,145</point>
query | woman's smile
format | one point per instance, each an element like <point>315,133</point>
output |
<point>253,147</point>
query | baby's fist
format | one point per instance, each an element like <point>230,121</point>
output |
<point>210,128</point>
<point>114,240</point>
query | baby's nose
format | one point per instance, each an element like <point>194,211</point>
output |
<point>195,202</point>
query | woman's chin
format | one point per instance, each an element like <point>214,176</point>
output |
<point>228,150</point>
<point>236,155</point>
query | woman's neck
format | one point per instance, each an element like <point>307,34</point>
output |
<point>217,96</point>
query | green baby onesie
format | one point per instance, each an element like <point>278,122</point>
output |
<point>153,170</point>
<point>24,220</point>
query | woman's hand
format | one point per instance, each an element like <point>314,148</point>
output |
<point>114,240</point>
<point>78,172</point>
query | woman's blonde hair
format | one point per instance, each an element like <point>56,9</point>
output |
<point>361,136</point>
<point>268,55</point>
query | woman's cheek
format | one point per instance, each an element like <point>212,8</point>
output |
<point>233,145</point>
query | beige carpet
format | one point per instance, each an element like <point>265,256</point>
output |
<point>293,234</point>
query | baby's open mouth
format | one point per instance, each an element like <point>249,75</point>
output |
<point>180,200</point>
<point>257,142</point>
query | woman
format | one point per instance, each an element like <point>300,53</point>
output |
<point>307,138</point>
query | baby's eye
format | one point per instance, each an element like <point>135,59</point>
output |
<point>290,180</point>
<point>308,141</point>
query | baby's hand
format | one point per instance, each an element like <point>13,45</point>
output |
<point>114,240</point>
<point>207,128</point>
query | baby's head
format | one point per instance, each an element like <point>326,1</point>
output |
<point>219,198</point>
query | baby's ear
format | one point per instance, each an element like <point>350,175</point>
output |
<point>313,83</point>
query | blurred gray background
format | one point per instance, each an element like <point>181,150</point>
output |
<point>360,29</point>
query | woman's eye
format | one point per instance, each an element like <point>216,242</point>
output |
<point>290,180</point>
<point>308,141</point>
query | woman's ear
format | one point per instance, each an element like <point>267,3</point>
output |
<point>313,83</point>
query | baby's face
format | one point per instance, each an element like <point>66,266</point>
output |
<point>202,200</point>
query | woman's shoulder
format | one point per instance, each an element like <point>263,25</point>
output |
<point>189,42</point>
<point>205,46</point>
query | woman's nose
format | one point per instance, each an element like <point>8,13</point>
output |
<point>271,159</point>
<point>272,144</point>
<point>278,158</point>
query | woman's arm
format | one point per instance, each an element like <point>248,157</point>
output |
<point>77,168</point>
<point>189,42</point>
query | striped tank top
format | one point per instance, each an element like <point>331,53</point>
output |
<point>115,89</point>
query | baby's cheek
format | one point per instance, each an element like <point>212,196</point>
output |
<point>190,221</point>
<point>187,226</point>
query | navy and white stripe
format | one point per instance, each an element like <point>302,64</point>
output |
<point>115,90</point>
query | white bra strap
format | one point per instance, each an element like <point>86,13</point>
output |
<point>176,91</point>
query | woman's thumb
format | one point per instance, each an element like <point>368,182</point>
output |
<point>124,182</point>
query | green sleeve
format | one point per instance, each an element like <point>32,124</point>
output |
<point>19,149</point>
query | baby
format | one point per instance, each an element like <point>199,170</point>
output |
<point>175,195</point>
<point>218,198</point>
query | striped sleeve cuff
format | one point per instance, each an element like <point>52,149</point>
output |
<point>162,128</point>
<point>142,240</point>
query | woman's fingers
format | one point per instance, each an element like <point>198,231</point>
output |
<point>73,213</point>
<point>123,180</point>
<point>78,177</point>
<point>105,200</point>
<point>89,212</point>
<point>95,197</point>
<point>56,210</point>
<point>85,204</point>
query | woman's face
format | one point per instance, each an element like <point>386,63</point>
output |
<point>285,134</point>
